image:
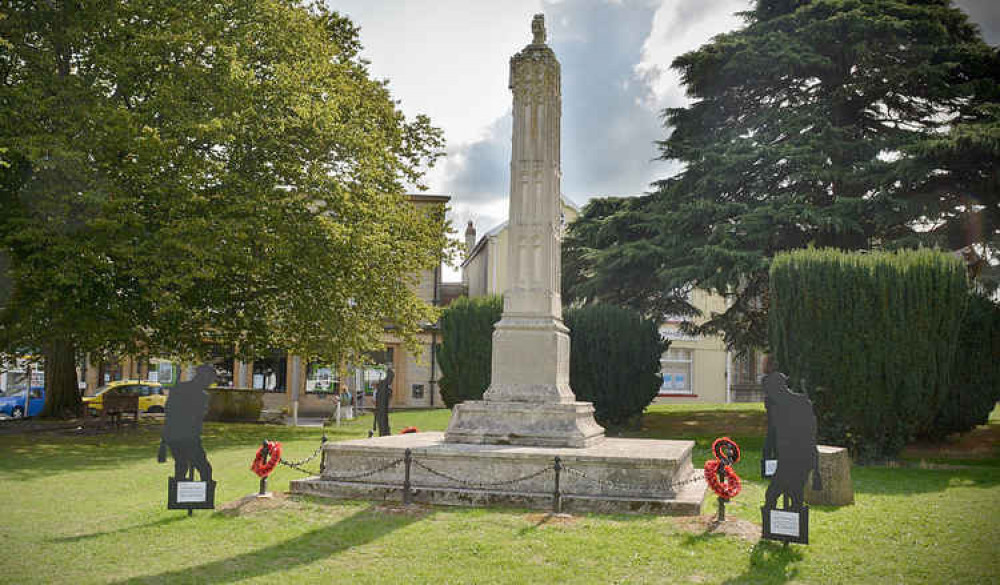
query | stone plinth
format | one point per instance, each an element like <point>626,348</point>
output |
<point>835,469</point>
<point>616,475</point>
<point>524,423</point>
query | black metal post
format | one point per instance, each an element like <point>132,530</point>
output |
<point>722,501</point>
<point>263,486</point>
<point>322,455</point>
<point>407,459</point>
<point>557,494</point>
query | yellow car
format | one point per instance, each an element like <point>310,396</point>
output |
<point>152,396</point>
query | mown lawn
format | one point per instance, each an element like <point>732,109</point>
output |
<point>91,509</point>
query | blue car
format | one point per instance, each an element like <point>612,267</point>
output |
<point>12,403</point>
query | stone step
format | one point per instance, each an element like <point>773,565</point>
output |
<point>618,475</point>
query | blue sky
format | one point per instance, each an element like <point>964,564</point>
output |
<point>449,59</point>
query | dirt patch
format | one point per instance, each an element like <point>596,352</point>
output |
<point>748,531</point>
<point>979,443</point>
<point>413,510</point>
<point>543,520</point>
<point>253,504</point>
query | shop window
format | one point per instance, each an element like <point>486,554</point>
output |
<point>271,372</point>
<point>322,379</point>
<point>676,366</point>
<point>162,371</point>
<point>221,357</point>
<point>375,369</point>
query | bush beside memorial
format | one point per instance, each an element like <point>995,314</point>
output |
<point>614,357</point>
<point>466,347</point>
<point>871,338</point>
<point>614,362</point>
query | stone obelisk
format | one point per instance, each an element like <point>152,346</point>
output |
<point>529,401</point>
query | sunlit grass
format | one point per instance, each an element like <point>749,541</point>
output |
<point>91,509</point>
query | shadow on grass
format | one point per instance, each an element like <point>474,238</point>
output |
<point>361,528</point>
<point>159,523</point>
<point>902,482</point>
<point>29,456</point>
<point>769,564</point>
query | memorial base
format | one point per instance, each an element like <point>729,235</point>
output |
<point>614,476</point>
<point>484,422</point>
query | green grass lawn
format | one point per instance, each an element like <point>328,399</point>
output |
<point>92,509</point>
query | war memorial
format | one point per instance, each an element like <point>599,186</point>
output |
<point>529,440</point>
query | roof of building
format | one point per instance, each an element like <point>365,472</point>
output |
<point>499,228</point>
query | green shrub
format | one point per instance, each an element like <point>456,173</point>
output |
<point>467,347</point>
<point>614,362</point>
<point>234,404</point>
<point>975,379</point>
<point>870,337</point>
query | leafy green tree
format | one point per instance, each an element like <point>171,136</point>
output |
<point>853,124</point>
<point>173,169</point>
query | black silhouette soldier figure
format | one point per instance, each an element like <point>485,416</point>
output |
<point>382,396</point>
<point>186,407</point>
<point>791,440</point>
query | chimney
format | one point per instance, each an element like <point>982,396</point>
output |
<point>470,238</point>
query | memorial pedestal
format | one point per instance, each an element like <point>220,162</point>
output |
<point>615,476</point>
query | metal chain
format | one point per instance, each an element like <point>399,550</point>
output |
<point>604,483</point>
<point>368,473</point>
<point>482,484</point>
<point>307,459</point>
<point>296,467</point>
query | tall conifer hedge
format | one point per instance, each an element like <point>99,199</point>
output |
<point>466,347</point>
<point>870,337</point>
<point>614,362</point>
<point>975,381</point>
<point>614,357</point>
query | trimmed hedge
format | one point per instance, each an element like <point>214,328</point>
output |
<point>234,404</point>
<point>975,380</point>
<point>466,347</point>
<point>614,357</point>
<point>614,362</point>
<point>871,338</point>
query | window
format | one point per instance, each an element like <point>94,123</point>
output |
<point>321,379</point>
<point>676,367</point>
<point>161,371</point>
<point>270,373</point>
<point>221,357</point>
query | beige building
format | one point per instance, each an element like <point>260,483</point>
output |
<point>694,369</point>
<point>312,388</point>
<point>484,271</point>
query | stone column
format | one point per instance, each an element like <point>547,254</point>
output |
<point>529,401</point>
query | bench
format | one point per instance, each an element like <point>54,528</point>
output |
<point>114,406</point>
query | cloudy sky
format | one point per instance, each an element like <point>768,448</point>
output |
<point>449,59</point>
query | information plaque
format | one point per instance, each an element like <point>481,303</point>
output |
<point>190,495</point>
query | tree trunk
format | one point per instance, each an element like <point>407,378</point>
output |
<point>62,397</point>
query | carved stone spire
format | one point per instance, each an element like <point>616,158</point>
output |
<point>538,29</point>
<point>529,401</point>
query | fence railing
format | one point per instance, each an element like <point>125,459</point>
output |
<point>557,468</point>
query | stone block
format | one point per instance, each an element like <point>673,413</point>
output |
<point>835,469</point>
<point>617,475</point>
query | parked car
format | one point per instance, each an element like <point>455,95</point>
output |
<point>12,403</point>
<point>152,395</point>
